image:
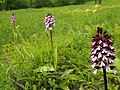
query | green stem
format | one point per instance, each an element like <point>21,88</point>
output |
<point>105,79</point>
<point>51,38</point>
<point>14,25</point>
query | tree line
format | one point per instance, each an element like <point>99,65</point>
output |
<point>18,4</point>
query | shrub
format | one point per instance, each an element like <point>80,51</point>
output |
<point>16,4</point>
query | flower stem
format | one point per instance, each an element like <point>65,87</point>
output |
<point>105,79</point>
<point>14,25</point>
<point>51,38</point>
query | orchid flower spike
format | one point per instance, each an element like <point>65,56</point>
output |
<point>102,53</point>
<point>13,18</point>
<point>49,21</point>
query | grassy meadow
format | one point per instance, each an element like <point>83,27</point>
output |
<point>28,62</point>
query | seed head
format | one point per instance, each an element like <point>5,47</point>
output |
<point>49,21</point>
<point>102,53</point>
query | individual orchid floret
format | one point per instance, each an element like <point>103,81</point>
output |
<point>49,21</point>
<point>102,52</point>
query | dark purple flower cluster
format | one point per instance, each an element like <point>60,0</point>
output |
<point>13,18</point>
<point>102,52</point>
<point>49,21</point>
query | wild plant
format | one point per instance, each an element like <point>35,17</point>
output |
<point>102,54</point>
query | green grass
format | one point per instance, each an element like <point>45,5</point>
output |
<point>28,62</point>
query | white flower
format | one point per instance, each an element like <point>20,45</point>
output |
<point>107,68</point>
<point>109,53</point>
<point>99,55</point>
<point>47,25</point>
<point>92,56</point>
<point>93,65</point>
<point>101,64</point>
<point>114,71</point>
<point>92,49</point>
<point>110,60</point>
<point>100,42</point>
<point>49,16</point>
<point>104,58</point>
<point>93,43</point>
<point>109,40</point>
<point>104,51</point>
<point>113,54</point>
<point>94,59</point>
<point>111,47</point>
<point>98,48</point>
<point>50,28</point>
<point>95,71</point>
<point>105,45</point>
<point>94,52</point>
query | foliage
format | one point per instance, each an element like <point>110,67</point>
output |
<point>18,4</point>
<point>27,61</point>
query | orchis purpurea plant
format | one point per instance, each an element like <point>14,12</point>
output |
<point>49,24</point>
<point>102,53</point>
<point>13,19</point>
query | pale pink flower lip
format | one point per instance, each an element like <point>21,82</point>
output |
<point>104,58</point>
<point>101,63</point>
<point>99,55</point>
<point>100,42</point>
<point>95,71</point>
<point>93,65</point>
<point>104,51</point>
<point>105,45</point>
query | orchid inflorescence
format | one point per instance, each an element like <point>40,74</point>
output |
<point>102,51</point>
<point>49,21</point>
<point>13,18</point>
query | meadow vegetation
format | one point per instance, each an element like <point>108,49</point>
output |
<point>27,61</point>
